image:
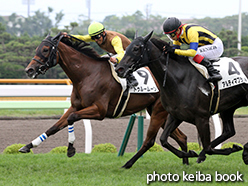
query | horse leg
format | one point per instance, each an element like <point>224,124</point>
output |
<point>228,127</point>
<point>92,112</point>
<point>148,143</point>
<point>228,131</point>
<point>202,125</point>
<point>181,139</point>
<point>150,140</point>
<point>245,154</point>
<point>62,123</point>
<point>171,125</point>
<point>71,151</point>
<point>158,118</point>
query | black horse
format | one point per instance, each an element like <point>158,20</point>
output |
<point>186,94</point>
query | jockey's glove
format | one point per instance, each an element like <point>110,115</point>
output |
<point>169,49</point>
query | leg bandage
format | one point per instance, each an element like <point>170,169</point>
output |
<point>71,134</point>
<point>40,139</point>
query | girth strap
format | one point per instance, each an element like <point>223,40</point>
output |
<point>215,99</point>
<point>122,102</point>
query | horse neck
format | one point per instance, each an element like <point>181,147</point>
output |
<point>176,69</point>
<point>157,68</point>
<point>79,66</point>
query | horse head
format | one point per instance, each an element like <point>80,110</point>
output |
<point>135,53</point>
<point>46,56</point>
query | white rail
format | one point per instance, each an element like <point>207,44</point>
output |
<point>9,94</point>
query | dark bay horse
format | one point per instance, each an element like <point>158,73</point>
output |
<point>185,94</point>
<point>95,91</point>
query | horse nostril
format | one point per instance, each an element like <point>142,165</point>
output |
<point>30,72</point>
<point>120,69</point>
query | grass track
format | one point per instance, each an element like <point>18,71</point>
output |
<point>105,169</point>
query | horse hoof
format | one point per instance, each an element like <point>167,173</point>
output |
<point>127,166</point>
<point>245,156</point>
<point>192,153</point>
<point>24,149</point>
<point>71,152</point>
<point>201,159</point>
<point>236,148</point>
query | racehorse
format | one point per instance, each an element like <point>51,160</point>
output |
<point>95,92</point>
<point>186,94</point>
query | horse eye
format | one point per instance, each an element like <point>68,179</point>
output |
<point>136,48</point>
<point>45,50</point>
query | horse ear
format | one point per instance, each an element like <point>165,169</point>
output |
<point>148,36</point>
<point>136,34</point>
<point>57,36</point>
<point>48,34</point>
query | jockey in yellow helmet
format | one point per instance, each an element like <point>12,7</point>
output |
<point>110,41</point>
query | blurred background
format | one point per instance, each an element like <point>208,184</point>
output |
<point>24,23</point>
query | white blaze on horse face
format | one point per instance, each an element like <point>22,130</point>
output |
<point>204,91</point>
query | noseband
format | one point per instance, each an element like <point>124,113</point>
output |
<point>52,58</point>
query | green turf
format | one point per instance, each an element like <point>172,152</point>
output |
<point>105,169</point>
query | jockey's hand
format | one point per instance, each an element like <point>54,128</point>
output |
<point>65,34</point>
<point>113,60</point>
<point>168,49</point>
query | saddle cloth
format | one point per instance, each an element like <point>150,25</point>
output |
<point>229,69</point>
<point>146,85</point>
<point>231,73</point>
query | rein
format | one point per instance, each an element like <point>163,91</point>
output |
<point>51,60</point>
<point>165,70</point>
<point>136,65</point>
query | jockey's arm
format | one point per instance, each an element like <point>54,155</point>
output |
<point>85,38</point>
<point>193,40</point>
<point>191,52</point>
<point>117,44</point>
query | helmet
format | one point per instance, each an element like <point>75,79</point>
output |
<point>95,28</point>
<point>171,25</point>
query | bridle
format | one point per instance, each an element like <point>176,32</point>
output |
<point>51,60</point>
<point>137,59</point>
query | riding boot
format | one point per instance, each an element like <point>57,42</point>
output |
<point>213,73</point>
<point>131,80</point>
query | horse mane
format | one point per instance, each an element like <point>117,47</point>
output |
<point>83,47</point>
<point>161,43</point>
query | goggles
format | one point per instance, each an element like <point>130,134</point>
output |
<point>173,34</point>
<point>96,37</point>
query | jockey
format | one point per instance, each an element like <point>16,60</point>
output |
<point>110,41</point>
<point>203,44</point>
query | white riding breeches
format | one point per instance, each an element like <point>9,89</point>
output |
<point>212,51</point>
